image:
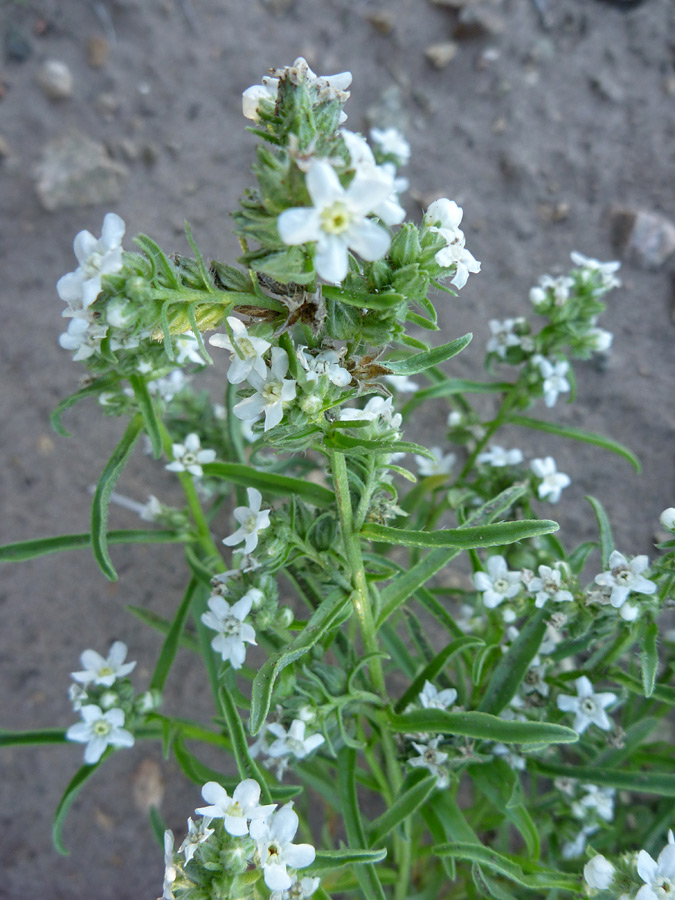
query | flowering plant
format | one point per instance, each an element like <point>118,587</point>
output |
<point>473,737</point>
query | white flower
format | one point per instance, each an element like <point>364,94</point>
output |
<point>600,339</point>
<point>624,577</point>
<point>300,889</point>
<point>188,349</point>
<point>189,457</point>
<point>170,872</point>
<point>337,220</point>
<point>168,386</point>
<point>667,518</point>
<point>196,835</point>
<point>555,382</point>
<point>251,519</point>
<point>237,810</point>
<point>600,799</point>
<point>431,698</point>
<point>497,584</point>
<point>503,336</point>
<point>293,741</point>
<point>233,632</point>
<point>272,391</point>
<point>330,87</point>
<point>98,730</point>
<point>402,383</point>
<point>392,142</point>
<point>441,464</point>
<point>605,270</point>
<point>246,352</point>
<point>273,837</point>
<point>389,210</point>
<point>83,337</point>
<point>97,257</point>
<point>498,457</point>
<point>431,758</point>
<point>599,873</point>
<point>99,670</point>
<point>552,481</point>
<point>547,587</point>
<point>658,875</point>
<point>443,217</point>
<point>588,707</point>
<point>327,363</point>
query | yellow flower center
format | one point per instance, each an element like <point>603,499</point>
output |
<point>335,218</point>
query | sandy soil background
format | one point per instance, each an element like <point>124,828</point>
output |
<point>552,114</point>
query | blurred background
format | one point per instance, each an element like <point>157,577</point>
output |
<point>551,122</point>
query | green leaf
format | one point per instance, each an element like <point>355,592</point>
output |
<point>454,386</point>
<point>246,766</point>
<point>413,365</point>
<point>269,483</point>
<point>356,836</point>
<point>37,736</point>
<point>511,668</point>
<point>24,550</point>
<point>383,301</point>
<point>104,488</point>
<point>662,783</point>
<point>662,692</point>
<point>465,538</point>
<point>323,619</point>
<point>96,387</point>
<point>578,434</point>
<point>346,442</point>
<point>430,671</point>
<point>414,792</point>
<point>481,726</point>
<point>74,787</point>
<point>147,410</point>
<point>606,539</point>
<point>649,658</point>
<point>327,860</point>
<point>538,879</point>
<point>173,639</point>
<point>498,782</point>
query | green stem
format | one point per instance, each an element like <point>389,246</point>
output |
<point>499,420</point>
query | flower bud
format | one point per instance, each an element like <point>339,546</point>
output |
<point>667,518</point>
<point>599,873</point>
<point>120,312</point>
<point>108,700</point>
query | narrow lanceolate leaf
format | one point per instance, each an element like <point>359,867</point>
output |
<point>536,879</point>
<point>321,622</point>
<point>147,410</point>
<point>578,434</point>
<point>510,670</point>
<point>173,639</point>
<point>269,483</point>
<point>414,792</point>
<point>421,361</point>
<point>436,665</point>
<point>662,783</point>
<point>91,390</point>
<point>24,550</point>
<point>662,692</point>
<point>345,442</point>
<point>606,539</point>
<point>327,860</point>
<point>649,658</point>
<point>104,488</point>
<point>382,301</point>
<point>481,726</point>
<point>38,736</point>
<point>464,538</point>
<point>369,881</point>
<point>246,766</point>
<point>71,792</point>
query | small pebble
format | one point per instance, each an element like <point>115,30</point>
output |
<point>56,79</point>
<point>440,55</point>
<point>98,50</point>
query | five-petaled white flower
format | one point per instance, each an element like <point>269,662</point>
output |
<point>84,337</point>
<point>658,875</point>
<point>233,632</point>
<point>552,481</point>
<point>443,217</point>
<point>441,464</point>
<point>272,391</point>
<point>337,220</point>
<point>99,670</point>
<point>246,352</point>
<point>555,382</point>
<point>197,834</point>
<point>327,363</point>
<point>273,837</point>
<point>376,408</point>
<point>503,336</point>
<point>599,873</point>
<point>187,346</point>
<point>235,811</point>
<point>189,457</point>
<point>588,707</point>
<point>600,799</point>
<point>432,759</point>
<point>293,741</point>
<point>498,457</point>
<point>497,584</point>
<point>431,698</point>
<point>98,730</point>
<point>548,587</point>
<point>252,520</point>
<point>623,577</point>
<point>97,257</point>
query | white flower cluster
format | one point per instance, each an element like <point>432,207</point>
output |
<point>621,579</point>
<point>102,721</point>
<point>499,584</point>
<point>429,756</point>
<point>443,217</point>
<point>330,87</point>
<point>189,456</point>
<point>270,848</point>
<point>280,745</point>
